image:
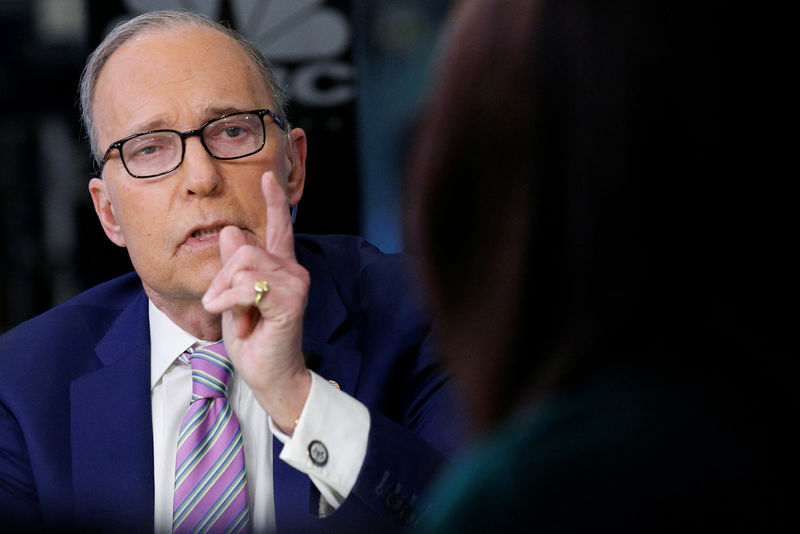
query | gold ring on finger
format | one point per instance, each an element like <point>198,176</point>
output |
<point>261,288</point>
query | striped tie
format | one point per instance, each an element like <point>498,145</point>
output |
<point>210,478</point>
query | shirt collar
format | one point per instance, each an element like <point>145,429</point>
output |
<point>167,342</point>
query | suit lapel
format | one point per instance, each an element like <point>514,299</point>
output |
<point>326,317</point>
<point>325,310</point>
<point>111,427</point>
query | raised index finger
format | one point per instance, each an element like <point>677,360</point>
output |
<point>279,235</point>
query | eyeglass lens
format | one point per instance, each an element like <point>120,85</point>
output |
<point>158,152</point>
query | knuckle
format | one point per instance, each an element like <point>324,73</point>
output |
<point>299,284</point>
<point>302,275</point>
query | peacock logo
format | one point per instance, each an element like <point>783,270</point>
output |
<point>306,41</point>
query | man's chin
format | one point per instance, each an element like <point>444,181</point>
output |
<point>180,293</point>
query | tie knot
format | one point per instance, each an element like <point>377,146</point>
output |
<point>211,372</point>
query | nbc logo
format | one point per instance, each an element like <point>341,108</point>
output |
<point>305,40</point>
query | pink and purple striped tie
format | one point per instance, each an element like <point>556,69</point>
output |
<point>210,477</point>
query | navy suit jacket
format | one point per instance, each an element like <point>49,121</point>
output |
<point>76,445</point>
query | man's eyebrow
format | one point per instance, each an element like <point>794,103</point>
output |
<point>161,123</point>
<point>213,112</point>
<point>158,123</point>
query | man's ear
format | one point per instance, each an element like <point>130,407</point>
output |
<point>105,211</point>
<point>296,149</point>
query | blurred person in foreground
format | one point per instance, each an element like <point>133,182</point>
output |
<point>584,250</point>
<point>120,411</point>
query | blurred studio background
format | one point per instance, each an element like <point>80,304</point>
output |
<point>355,71</point>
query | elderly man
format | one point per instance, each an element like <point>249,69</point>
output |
<point>119,410</point>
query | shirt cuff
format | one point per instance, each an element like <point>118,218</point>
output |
<point>330,440</point>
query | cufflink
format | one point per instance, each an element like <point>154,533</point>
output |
<point>318,453</point>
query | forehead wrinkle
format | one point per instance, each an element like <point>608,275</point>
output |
<point>212,111</point>
<point>159,121</point>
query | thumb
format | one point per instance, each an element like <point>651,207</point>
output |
<point>230,239</point>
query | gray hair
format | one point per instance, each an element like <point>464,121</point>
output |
<point>160,21</point>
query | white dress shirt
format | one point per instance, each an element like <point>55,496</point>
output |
<point>330,416</point>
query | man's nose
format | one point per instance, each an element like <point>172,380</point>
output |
<point>199,169</point>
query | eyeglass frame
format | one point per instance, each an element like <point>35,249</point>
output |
<point>190,133</point>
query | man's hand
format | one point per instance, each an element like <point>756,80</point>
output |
<point>265,342</point>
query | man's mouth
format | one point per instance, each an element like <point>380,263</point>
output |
<point>200,233</point>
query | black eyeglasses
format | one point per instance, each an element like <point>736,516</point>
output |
<point>157,152</point>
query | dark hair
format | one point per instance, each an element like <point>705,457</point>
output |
<point>564,194</point>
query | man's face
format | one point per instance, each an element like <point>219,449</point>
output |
<point>170,224</point>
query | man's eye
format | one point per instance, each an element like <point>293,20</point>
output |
<point>233,131</point>
<point>148,150</point>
